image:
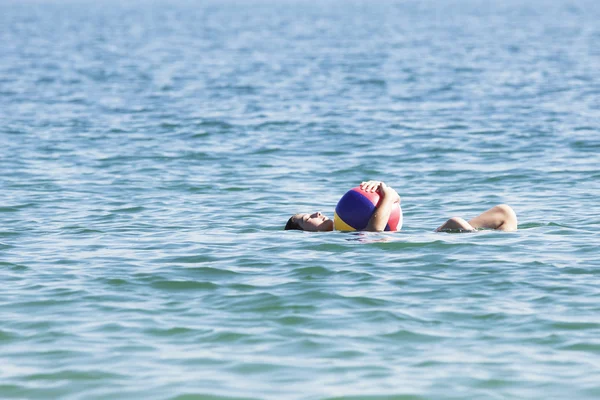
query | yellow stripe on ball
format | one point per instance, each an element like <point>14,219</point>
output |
<point>340,225</point>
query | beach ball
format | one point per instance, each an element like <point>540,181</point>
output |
<point>355,208</point>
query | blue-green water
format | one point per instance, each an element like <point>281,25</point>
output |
<point>151,153</point>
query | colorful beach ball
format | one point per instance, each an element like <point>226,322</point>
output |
<point>356,207</point>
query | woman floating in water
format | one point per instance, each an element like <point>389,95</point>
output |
<point>501,217</point>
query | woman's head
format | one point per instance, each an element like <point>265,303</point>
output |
<point>315,222</point>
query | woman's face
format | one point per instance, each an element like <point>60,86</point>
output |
<point>315,222</point>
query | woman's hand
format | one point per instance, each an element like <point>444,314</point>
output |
<point>370,186</point>
<point>384,190</point>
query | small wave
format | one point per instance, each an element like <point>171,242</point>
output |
<point>173,285</point>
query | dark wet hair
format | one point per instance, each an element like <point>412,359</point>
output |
<point>292,224</point>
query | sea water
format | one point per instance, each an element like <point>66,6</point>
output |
<point>152,151</point>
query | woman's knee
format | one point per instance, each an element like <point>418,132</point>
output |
<point>454,224</point>
<point>509,217</point>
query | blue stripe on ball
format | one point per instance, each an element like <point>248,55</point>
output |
<point>355,210</point>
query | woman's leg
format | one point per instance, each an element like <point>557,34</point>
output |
<point>501,217</point>
<point>455,224</point>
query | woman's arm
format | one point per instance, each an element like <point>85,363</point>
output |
<point>389,196</point>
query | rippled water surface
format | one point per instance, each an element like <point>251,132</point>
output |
<point>152,151</point>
